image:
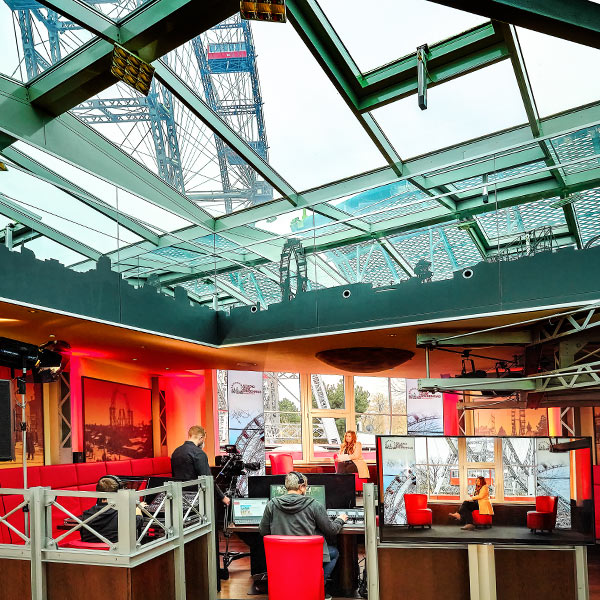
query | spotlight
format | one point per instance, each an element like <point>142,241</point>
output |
<point>3,167</point>
<point>132,70</point>
<point>267,10</point>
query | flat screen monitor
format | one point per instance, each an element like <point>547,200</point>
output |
<point>518,475</point>
<point>340,488</point>
<point>248,511</point>
<point>314,491</point>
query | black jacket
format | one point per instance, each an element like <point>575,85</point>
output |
<point>294,514</point>
<point>106,524</point>
<point>189,462</point>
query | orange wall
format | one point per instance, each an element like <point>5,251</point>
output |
<point>185,406</point>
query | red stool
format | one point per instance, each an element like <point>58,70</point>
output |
<point>295,563</point>
<point>417,512</point>
<point>544,515</point>
<point>281,464</point>
<point>481,520</point>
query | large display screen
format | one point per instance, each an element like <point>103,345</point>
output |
<point>517,471</point>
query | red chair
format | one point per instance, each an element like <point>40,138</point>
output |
<point>417,512</point>
<point>281,464</point>
<point>295,566</point>
<point>481,520</point>
<point>544,515</point>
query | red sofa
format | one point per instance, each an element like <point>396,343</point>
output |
<point>81,476</point>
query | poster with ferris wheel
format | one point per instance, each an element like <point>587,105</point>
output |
<point>246,420</point>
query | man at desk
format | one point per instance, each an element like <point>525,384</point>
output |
<point>298,514</point>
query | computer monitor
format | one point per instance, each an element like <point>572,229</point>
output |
<point>248,511</point>
<point>314,491</point>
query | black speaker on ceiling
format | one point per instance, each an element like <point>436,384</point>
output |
<point>7,439</point>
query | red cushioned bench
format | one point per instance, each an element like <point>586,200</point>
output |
<point>81,477</point>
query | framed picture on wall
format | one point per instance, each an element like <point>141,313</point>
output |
<point>117,420</point>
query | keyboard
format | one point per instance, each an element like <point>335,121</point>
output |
<point>355,515</point>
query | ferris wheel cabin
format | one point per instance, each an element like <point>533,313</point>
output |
<point>228,57</point>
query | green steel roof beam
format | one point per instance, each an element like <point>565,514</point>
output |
<point>199,108</point>
<point>16,212</point>
<point>20,235</point>
<point>462,54</point>
<point>71,140</point>
<point>85,16</point>
<point>576,20</point>
<point>24,163</point>
<point>152,31</point>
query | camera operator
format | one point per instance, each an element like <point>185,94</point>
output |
<point>189,461</point>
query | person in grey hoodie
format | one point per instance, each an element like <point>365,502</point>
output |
<point>298,514</point>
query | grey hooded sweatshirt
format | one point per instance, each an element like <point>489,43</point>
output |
<point>294,514</point>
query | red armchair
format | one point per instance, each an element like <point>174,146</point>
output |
<point>295,564</point>
<point>481,520</point>
<point>281,464</point>
<point>544,515</point>
<point>417,512</point>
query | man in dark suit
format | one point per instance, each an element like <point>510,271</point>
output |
<point>189,461</point>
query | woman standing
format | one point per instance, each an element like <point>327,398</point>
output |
<point>350,459</point>
<point>480,500</point>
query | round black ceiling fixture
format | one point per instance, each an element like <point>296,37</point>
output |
<point>364,360</point>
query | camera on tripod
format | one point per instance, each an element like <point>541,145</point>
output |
<point>232,466</point>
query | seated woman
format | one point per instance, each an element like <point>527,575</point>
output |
<point>350,459</point>
<point>479,500</point>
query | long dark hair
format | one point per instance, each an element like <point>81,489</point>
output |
<point>480,482</point>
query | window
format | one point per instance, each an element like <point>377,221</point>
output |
<point>283,417</point>
<point>518,460</point>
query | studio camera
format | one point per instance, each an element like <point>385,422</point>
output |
<point>232,463</point>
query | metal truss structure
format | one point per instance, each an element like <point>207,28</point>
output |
<point>197,149</point>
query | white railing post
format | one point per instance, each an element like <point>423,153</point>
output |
<point>209,512</point>
<point>371,541</point>
<point>37,541</point>
<point>179,551</point>
<point>125,504</point>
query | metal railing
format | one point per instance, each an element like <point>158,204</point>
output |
<point>183,512</point>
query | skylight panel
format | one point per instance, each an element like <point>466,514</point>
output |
<point>563,74</point>
<point>468,107</point>
<point>395,28</point>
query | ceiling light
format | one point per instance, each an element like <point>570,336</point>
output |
<point>32,310</point>
<point>3,167</point>
<point>132,70</point>
<point>51,335</point>
<point>267,10</point>
<point>245,364</point>
<point>167,368</point>
<point>134,359</point>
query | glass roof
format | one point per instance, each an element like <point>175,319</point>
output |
<point>459,110</point>
<point>394,28</point>
<point>451,185</point>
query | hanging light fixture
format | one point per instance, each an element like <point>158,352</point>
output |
<point>132,70</point>
<point>267,10</point>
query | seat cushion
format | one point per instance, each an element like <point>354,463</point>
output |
<point>90,472</point>
<point>420,516</point>
<point>161,465</point>
<point>479,519</point>
<point>59,476</point>
<point>118,467</point>
<point>539,520</point>
<point>142,466</point>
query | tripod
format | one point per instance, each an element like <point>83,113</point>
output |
<point>230,555</point>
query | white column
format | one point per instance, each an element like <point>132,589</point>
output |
<point>581,573</point>
<point>482,571</point>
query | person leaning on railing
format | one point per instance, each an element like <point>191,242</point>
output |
<point>107,522</point>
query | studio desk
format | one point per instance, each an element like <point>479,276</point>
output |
<point>485,565</point>
<point>347,544</point>
<point>49,562</point>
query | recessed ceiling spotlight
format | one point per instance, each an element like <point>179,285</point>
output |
<point>51,335</point>
<point>142,347</point>
<point>32,310</point>
<point>167,368</point>
<point>134,359</point>
<point>392,335</point>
